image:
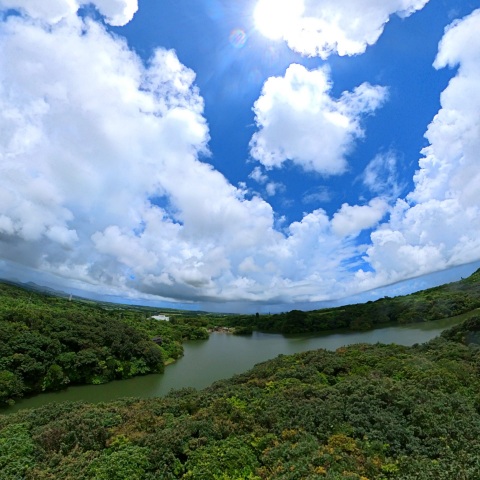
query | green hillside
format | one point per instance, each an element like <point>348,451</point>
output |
<point>48,342</point>
<point>433,304</point>
<point>364,412</point>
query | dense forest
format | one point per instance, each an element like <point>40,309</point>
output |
<point>433,304</point>
<point>48,342</point>
<point>363,412</point>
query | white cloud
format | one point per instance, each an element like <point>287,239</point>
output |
<point>116,12</point>
<point>323,27</point>
<point>101,180</point>
<point>272,188</point>
<point>298,120</point>
<point>381,176</point>
<point>322,194</point>
<point>257,175</point>
<point>351,220</point>
<point>101,183</point>
<point>51,11</point>
<point>439,226</point>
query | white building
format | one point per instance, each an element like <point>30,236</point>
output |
<point>161,317</point>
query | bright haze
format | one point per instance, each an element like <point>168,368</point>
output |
<point>259,155</point>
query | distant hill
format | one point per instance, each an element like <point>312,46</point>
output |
<point>31,286</point>
<point>432,304</point>
<point>42,289</point>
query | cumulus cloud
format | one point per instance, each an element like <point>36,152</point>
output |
<point>83,200</point>
<point>116,12</point>
<point>77,191</point>
<point>101,182</point>
<point>437,227</point>
<point>323,27</point>
<point>352,219</point>
<point>299,121</point>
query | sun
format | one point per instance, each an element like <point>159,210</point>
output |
<point>274,18</point>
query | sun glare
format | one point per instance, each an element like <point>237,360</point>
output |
<point>273,18</point>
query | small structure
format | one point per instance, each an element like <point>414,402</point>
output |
<point>161,317</point>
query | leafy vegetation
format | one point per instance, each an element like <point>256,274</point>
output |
<point>48,342</point>
<point>363,412</point>
<point>435,303</point>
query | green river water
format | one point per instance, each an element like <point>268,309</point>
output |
<point>224,355</point>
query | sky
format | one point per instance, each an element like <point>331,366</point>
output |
<point>256,155</point>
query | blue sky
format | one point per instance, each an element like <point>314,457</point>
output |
<point>251,156</point>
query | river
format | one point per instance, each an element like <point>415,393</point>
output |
<point>224,355</point>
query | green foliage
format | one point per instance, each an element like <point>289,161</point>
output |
<point>467,332</point>
<point>432,304</point>
<point>47,342</point>
<point>11,386</point>
<point>364,412</point>
<point>16,451</point>
<point>171,333</point>
<point>231,458</point>
<point>124,462</point>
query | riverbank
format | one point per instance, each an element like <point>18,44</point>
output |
<point>169,361</point>
<point>218,329</point>
<point>222,356</point>
<point>362,411</point>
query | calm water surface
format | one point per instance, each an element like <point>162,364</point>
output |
<point>224,355</point>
